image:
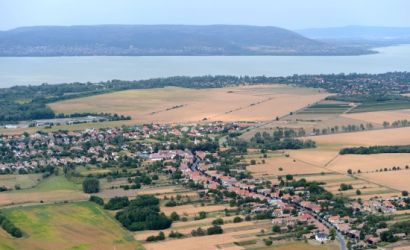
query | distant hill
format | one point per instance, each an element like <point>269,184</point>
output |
<point>138,40</point>
<point>366,33</point>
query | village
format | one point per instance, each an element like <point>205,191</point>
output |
<point>192,156</point>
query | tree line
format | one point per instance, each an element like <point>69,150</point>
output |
<point>376,150</point>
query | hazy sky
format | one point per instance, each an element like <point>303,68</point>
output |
<point>292,14</point>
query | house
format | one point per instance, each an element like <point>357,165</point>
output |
<point>321,236</point>
<point>334,219</point>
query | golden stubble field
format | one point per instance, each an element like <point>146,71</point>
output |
<point>173,105</point>
<point>380,116</point>
<point>325,158</point>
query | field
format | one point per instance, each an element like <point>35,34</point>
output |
<point>326,107</point>
<point>399,136</point>
<point>279,164</point>
<point>52,189</point>
<point>380,116</point>
<point>81,225</point>
<point>379,106</point>
<point>23,181</point>
<point>301,246</point>
<point>171,104</point>
<point>369,163</point>
<point>395,179</point>
<point>325,164</point>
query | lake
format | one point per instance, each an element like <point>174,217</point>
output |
<point>36,70</point>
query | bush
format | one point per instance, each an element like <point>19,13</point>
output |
<point>117,203</point>
<point>218,221</point>
<point>198,232</point>
<point>91,185</point>
<point>201,216</point>
<point>160,236</point>
<point>175,234</point>
<point>276,229</point>
<point>171,203</point>
<point>405,193</point>
<point>9,227</point>
<point>97,200</point>
<point>267,242</point>
<point>344,187</point>
<point>214,230</point>
<point>237,219</point>
<point>174,216</point>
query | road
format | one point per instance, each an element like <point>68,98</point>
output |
<point>195,167</point>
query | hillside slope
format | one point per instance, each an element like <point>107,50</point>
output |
<point>138,40</point>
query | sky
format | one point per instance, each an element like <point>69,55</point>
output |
<point>291,14</point>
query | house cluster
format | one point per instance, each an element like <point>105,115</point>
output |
<point>33,152</point>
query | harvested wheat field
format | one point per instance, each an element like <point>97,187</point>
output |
<point>316,156</point>
<point>168,190</point>
<point>380,116</point>
<point>398,180</point>
<point>172,104</point>
<point>399,136</point>
<point>9,198</point>
<point>205,242</point>
<point>328,178</point>
<point>369,163</point>
<point>187,227</point>
<point>233,232</point>
<point>192,209</point>
<point>282,165</point>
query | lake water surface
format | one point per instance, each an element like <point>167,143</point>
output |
<point>36,70</point>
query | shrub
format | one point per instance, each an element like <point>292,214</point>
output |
<point>171,203</point>
<point>214,230</point>
<point>175,234</point>
<point>237,219</point>
<point>201,216</point>
<point>218,221</point>
<point>9,227</point>
<point>97,200</point>
<point>160,236</point>
<point>267,242</point>
<point>117,203</point>
<point>174,216</point>
<point>198,232</point>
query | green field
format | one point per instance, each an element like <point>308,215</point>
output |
<point>326,108</point>
<point>82,225</point>
<point>54,183</point>
<point>381,106</point>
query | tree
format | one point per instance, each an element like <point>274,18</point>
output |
<point>91,185</point>
<point>276,229</point>
<point>218,221</point>
<point>201,215</point>
<point>117,203</point>
<point>97,200</point>
<point>237,219</point>
<point>388,237</point>
<point>405,193</point>
<point>214,230</point>
<point>332,234</point>
<point>174,216</point>
<point>358,192</point>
